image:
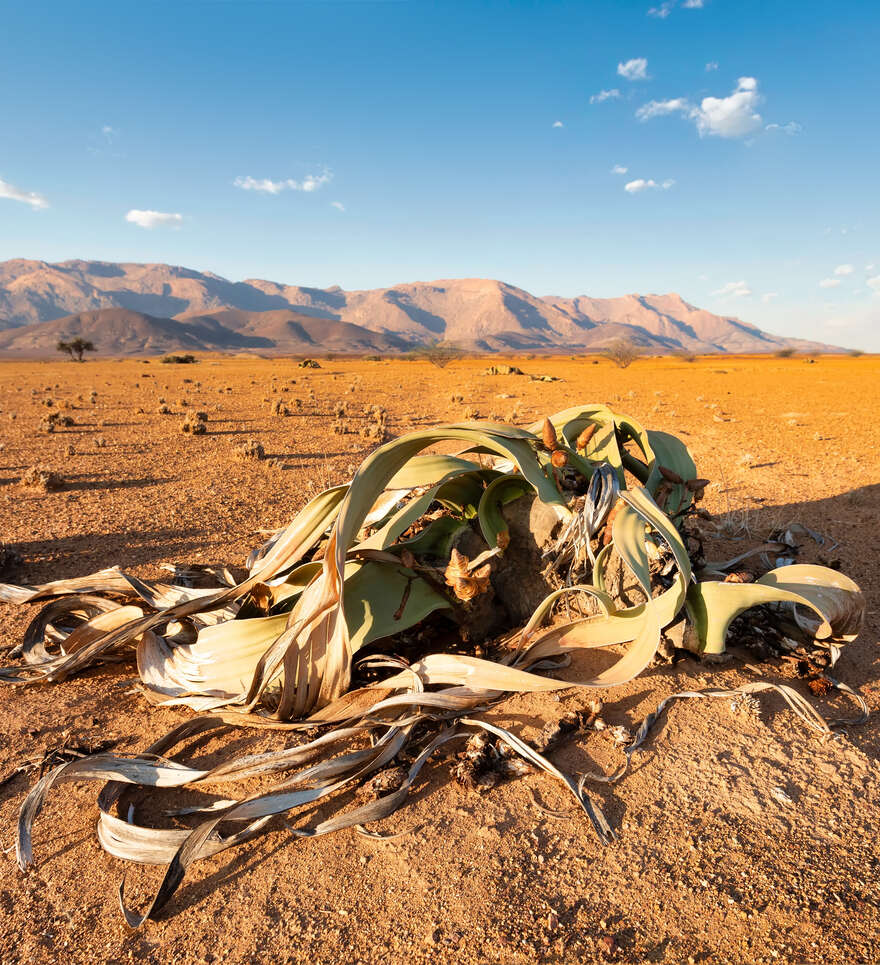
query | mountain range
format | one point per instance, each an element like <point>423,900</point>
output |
<point>128,309</point>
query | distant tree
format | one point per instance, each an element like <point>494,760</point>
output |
<point>855,353</point>
<point>437,353</point>
<point>622,352</point>
<point>785,353</point>
<point>76,347</point>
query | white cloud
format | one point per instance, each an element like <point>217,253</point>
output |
<point>663,11</point>
<point>558,124</point>
<point>338,205</point>
<point>712,65</point>
<point>769,296</point>
<point>109,132</point>
<point>792,127</point>
<point>870,267</point>
<point>829,283</point>
<point>693,4</point>
<point>733,289</point>
<point>311,182</point>
<point>874,283</point>
<point>154,219</point>
<point>619,169</point>
<point>635,69</point>
<point>640,184</point>
<point>659,108</point>
<point>844,270</point>
<point>605,95</point>
<point>12,193</point>
<point>733,116</point>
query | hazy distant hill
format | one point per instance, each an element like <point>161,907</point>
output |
<point>120,331</point>
<point>131,308</point>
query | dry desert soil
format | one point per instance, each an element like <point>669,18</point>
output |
<point>742,837</point>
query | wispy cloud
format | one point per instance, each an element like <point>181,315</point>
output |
<point>338,205</point>
<point>844,270</point>
<point>712,65</point>
<point>733,289</point>
<point>829,283</point>
<point>311,182</point>
<point>768,297</point>
<point>732,116</point>
<point>791,128</point>
<point>635,69</point>
<point>619,169</point>
<point>640,184</point>
<point>110,133</point>
<point>605,95</point>
<point>12,193</point>
<point>558,124</point>
<point>154,219</point>
<point>677,105</point>
<point>874,283</point>
<point>662,11</point>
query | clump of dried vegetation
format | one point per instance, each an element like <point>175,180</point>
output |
<point>51,421</point>
<point>393,611</point>
<point>249,449</point>
<point>195,423</point>
<point>622,352</point>
<point>178,359</point>
<point>45,480</point>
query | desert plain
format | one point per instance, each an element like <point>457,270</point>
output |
<point>741,836</point>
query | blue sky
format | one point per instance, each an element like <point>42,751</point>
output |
<point>364,144</point>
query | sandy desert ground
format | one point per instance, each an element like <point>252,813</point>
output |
<point>711,864</point>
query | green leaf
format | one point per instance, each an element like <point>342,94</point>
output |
<point>374,594</point>
<point>499,492</point>
<point>834,598</point>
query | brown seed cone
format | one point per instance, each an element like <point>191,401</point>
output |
<point>740,576</point>
<point>548,433</point>
<point>670,475</point>
<point>820,686</point>
<point>466,584</point>
<point>609,525</point>
<point>695,485</point>
<point>586,435</point>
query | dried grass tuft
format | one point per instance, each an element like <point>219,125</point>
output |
<point>38,477</point>
<point>194,426</point>
<point>249,449</point>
